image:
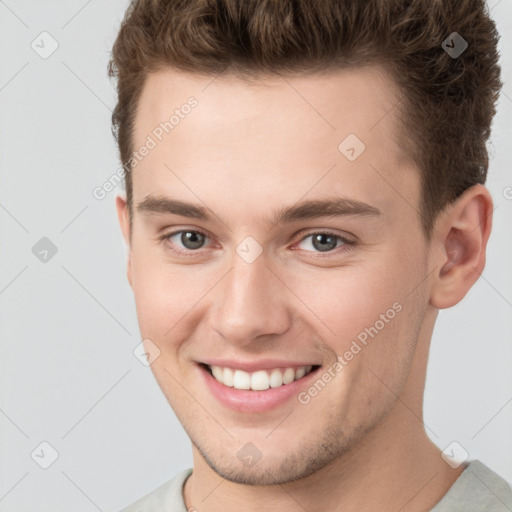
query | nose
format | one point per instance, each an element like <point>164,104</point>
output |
<point>250,303</point>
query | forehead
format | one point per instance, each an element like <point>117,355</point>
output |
<point>274,139</point>
<point>357,99</point>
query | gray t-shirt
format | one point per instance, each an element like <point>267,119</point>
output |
<point>478,489</point>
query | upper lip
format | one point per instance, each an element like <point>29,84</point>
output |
<point>252,366</point>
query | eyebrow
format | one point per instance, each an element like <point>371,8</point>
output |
<point>312,209</point>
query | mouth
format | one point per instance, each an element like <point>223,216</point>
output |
<point>259,380</point>
<point>260,386</point>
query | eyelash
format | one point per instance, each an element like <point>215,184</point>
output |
<point>346,243</point>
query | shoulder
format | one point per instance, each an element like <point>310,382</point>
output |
<point>477,489</point>
<point>167,496</point>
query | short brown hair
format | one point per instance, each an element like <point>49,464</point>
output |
<point>448,103</point>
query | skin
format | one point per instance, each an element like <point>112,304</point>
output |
<point>245,151</point>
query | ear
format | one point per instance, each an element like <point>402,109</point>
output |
<point>458,246</point>
<point>124,222</point>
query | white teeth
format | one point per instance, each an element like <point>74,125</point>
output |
<point>276,378</point>
<point>218,373</point>
<point>300,373</point>
<point>288,376</point>
<point>260,380</point>
<point>227,377</point>
<point>241,380</point>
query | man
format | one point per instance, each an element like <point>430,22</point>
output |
<point>304,192</point>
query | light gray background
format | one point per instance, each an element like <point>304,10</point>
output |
<point>68,327</point>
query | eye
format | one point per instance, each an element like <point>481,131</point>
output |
<point>185,240</point>
<point>323,242</point>
<point>190,241</point>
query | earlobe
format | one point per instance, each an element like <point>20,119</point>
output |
<point>124,223</point>
<point>460,242</point>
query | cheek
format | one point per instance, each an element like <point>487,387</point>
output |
<point>367,314</point>
<point>167,296</point>
<point>346,301</point>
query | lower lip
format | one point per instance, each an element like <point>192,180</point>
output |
<point>243,400</point>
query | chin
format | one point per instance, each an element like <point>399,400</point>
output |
<point>276,470</point>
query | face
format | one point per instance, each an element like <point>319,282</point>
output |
<point>277,261</point>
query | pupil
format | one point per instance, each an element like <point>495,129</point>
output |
<point>323,242</point>
<point>192,240</point>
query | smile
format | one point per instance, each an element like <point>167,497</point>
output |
<point>259,380</point>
